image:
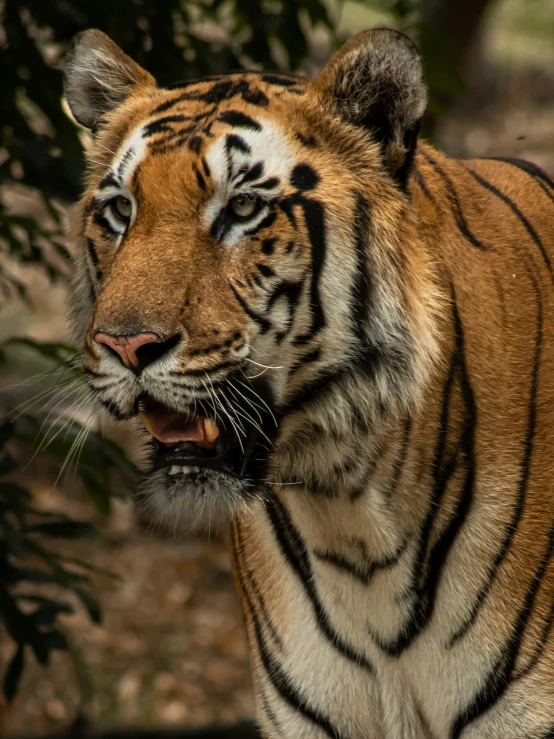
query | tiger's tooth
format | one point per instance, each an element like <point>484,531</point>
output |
<point>175,469</point>
<point>210,429</point>
<point>145,420</point>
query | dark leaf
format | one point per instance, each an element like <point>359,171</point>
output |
<point>13,673</point>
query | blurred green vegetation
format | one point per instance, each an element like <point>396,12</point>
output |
<point>40,151</point>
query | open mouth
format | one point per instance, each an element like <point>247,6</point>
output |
<point>182,440</point>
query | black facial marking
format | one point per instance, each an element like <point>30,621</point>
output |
<point>264,223</point>
<point>281,81</point>
<point>201,181</point>
<point>234,141</point>
<point>261,321</point>
<point>255,97</point>
<point>314,216</point>
<point>239,120</point>
<point>268,246</point>
<point>109,180</point>
<point>264,270</point>
<point>161,125</point>
<point>251,174</point>
<point>308,141</point>
<point>303,177</point>
<point>125,161</point>
<point>92,252</point>
<point>195,144</point>
<point>268,184</point>
<point>100,220</point>
<point>220,226</point>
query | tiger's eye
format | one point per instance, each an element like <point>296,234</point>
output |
<point>122,207</point>
<point>243,206</point>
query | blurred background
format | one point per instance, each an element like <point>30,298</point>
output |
<point>105,616</point>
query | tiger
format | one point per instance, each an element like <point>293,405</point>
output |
<point>338,342</point>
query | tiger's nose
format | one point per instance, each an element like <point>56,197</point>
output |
<point>137,351</point>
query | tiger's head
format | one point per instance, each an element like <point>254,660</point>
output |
<point>249,278</point>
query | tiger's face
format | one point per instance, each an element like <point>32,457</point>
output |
<point>239,247</point>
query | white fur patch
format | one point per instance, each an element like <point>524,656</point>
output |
<point>268,146</point>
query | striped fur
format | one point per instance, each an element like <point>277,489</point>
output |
<point>394,561</point>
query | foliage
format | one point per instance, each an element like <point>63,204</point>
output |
<point>31,558</point>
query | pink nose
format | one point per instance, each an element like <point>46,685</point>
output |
<point>127,346</point>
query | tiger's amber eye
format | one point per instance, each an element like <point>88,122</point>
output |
<point>122,207</point>
<point>243,206</point>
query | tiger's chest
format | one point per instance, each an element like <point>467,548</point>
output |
<point>337,644</point>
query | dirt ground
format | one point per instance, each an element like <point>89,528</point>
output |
<point>171,649</point>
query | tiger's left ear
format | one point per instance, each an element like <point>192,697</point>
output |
<point>375,81</point>
<point>99,77</point>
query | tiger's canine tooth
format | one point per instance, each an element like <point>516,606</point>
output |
<point>145,420</point>
<point>175,469</point>
<point>211,430</point>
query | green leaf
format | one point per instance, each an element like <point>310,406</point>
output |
<point>13,673</point>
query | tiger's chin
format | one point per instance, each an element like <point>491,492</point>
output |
<point>195,498</point>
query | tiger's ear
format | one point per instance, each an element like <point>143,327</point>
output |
<point>375,81</point>
<point>98,77</point>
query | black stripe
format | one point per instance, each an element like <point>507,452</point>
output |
<point>268,184</point>
<point>102,222</point>
<point>305,359</point>
<point>291,292</point>
<point>266,222</point>
<point>109,180</point>
<point>92,252</point>
<point>315,221</point>
<point>281,681</point>
<point>361,288</point>
<point>419,180</point>
<point>200,179</point>
<point>501,674</point>
<point>268,712</point>
<point>265,270</point>
<point>296,554</point>
<point>254,587</point>
<point>239,120</point>
<point>456,205</point>
<point>259,320</point>
<point>513,207</point>
<point>315,390</point>
<point>400,461</point>
<point>512,526</point>
<point>364,575</point>
<point>161,125</point>
<point>268,245</point>
<point>234,141</point>
<point>428,568</point>
<point>129,154</point>
<point>252,173</point>
<point>540,177</point>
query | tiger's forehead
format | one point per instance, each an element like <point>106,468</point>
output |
<point>220,118</point>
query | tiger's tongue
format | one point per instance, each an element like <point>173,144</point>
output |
<point>174,427</point>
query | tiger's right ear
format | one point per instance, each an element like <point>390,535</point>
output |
<point>98,77</point>
<point>375,82</point>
